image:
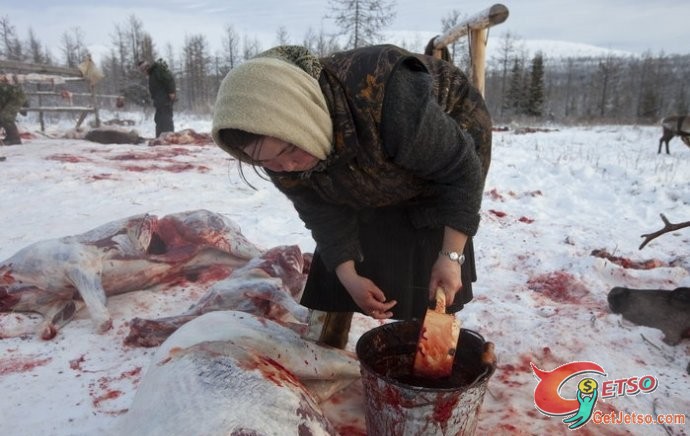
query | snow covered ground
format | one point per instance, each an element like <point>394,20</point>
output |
<point>552,197</point>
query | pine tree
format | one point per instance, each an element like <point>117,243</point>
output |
<point>514,96</point>
<point>535,93</point>
<point>11,48</point>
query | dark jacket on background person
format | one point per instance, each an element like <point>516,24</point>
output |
<point>161,86</point>
<point>12,98</point>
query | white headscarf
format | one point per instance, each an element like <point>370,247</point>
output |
<point>272,97</point>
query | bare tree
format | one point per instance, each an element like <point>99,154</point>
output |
<point>320,43</point>
<point>362,20</point>
<point>231,51</point>
<point>196,61</point>
<point>459,48</point>
<point>251,47</point>
<point>11,47</point>
<point>36,53</point>
<point>73,47</point>
<point>282,36</point>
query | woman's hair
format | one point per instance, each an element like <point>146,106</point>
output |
<point>234,141</point>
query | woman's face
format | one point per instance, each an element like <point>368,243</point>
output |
<point>280,156</point>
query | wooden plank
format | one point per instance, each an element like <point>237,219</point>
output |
<point>74,94</point>
<point>39,68</point>
<point>60,109</point>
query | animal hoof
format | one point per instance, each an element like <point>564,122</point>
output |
<point>105,326</point>
<point>49,332</point>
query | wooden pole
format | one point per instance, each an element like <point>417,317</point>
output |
<point>477,27</point>
<point>478,51</point>
<point>492,16</point>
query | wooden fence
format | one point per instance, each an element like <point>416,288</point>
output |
<point>53,89</point>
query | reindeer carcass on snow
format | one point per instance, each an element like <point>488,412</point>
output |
<point>269,285</point>
<point>233,373</point>
<point>126,255</point>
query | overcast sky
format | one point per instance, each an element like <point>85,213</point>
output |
<point>636,26</point>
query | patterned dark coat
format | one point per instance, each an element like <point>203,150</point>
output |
<point>389,154</point>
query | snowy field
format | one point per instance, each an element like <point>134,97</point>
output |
<point>552,197</point>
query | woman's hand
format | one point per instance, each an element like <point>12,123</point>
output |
<point>364,292</point>
<point>446,274</point>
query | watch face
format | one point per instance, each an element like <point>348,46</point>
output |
<point>453,255</point>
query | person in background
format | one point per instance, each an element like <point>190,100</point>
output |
<point>384,154</point>
<point>162,90</point>
<point>12,99</point>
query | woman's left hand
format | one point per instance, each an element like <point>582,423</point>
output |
<point>446,274</point>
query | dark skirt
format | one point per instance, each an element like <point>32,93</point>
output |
<point>398,258</point>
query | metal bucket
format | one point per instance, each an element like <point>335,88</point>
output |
<point>398,404</point>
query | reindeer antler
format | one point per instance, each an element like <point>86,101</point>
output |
<point>668,227</point>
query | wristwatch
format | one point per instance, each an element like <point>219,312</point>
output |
<point>454,256</point>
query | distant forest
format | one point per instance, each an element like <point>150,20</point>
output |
<point>611,89</point>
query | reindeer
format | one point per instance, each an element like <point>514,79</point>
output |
<point>666,310</point>
<point>677,125</point>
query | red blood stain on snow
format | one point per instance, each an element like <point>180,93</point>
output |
<point>104,176</point>
<point>628,263</point>
<point>163,154</point>
<point>157,155</point>
<point>75,364</point>
<point>173,168</point>
<point>12,365</point>
<point>495,195</point>
<point>559,286</point>
<point>69,158</point>
<point>102,390</point>
<point>524,219</point>
<point>497,213</point>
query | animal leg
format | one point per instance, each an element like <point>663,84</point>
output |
<point>666,136</point>
<point>56,316</point>
<point>92,292</point>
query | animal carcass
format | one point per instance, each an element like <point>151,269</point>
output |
<point>231,372</point>
<point>675,126</point>
<point>186,136</point>
<point>126,255</point>
<point>668,311</point>
<point>269,286</point>
<point>113,135</point>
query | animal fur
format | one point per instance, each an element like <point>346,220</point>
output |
<point>675,126</point>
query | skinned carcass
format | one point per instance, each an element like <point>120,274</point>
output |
<point>230,372</point>
<point>269,286</point>
<point>49,277</point>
